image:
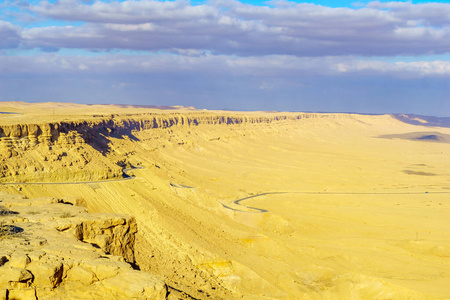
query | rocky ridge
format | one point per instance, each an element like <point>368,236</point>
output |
<point>87,130</point>
<point>79,149</point>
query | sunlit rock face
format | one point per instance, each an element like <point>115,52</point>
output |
<point>53,249</point>
<point>73,150</point>
<point>232,205</point>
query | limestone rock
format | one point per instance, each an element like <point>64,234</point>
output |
<point>113,235</point>
<point>82,275</point>
<point>104,268</point>
<point>127,285</point>
<point>84,256</point>
<point>22,294</point>
<point>19,260</point>
<point>12,277</point>
<point>46,274</point>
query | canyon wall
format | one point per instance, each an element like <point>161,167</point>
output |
<point>79,149</point>
<point>24,135</point>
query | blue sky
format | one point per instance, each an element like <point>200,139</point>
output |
<point>357,56</point>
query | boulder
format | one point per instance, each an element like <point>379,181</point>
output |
<point>19,260</point>
<point>46,274</point>
<point>135,285</point>
<point>82,275</point>
<point>12,277</point>
<point>22,294</point>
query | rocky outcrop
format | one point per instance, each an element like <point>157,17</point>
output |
<point>52,250</point>
<point>114,235</point>
<point>58,156</point>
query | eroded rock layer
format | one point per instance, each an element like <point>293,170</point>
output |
<point>76,150</point>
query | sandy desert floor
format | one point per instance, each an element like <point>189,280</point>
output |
<point>351,211</point>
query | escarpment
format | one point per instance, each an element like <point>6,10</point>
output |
<point>79,149</point>
<point>28,135</point>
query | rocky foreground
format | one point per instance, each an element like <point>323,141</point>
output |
<point>53,249</point>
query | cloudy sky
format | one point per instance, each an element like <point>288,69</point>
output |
<point>354,56</point>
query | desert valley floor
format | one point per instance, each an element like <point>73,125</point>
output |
<point>333,206</point>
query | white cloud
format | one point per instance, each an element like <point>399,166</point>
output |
<point>232,28</point>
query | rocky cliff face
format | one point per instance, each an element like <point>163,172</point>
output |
<point>49,152</point>
<point>80,132</point>
<point>79,150</point>
<point>52,250</point>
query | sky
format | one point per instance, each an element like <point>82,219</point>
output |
<point>329,56</point>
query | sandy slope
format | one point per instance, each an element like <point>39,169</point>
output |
<point>374,224</point>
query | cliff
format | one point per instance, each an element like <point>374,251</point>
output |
<point>29,134</point>
<point>79,149</point>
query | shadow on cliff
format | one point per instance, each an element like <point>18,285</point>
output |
<point>98,136</point>
<point>101,139</point>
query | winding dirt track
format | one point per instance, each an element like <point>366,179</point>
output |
<point>261,210</point>
<point>250,209</point>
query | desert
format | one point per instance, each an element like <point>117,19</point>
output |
<point>127,202</point>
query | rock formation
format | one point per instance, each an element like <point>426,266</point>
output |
<point>52,249</point>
